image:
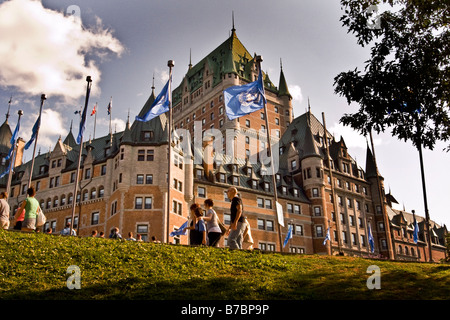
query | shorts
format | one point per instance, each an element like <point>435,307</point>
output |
<point>29,223</point>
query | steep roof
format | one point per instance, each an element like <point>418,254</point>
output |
<point>230,56</point>
<point>282,86</point>
<point>5,137</point>
<point>158,127</point>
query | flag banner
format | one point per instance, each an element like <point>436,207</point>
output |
<point>13,140</point>
<point>327,237</point>
<point>82,125</point>
<point>416,230</point>
<point>245,99</point>
<point>36,127</point>
<point>6,171</point>
<point>159,106</point>
<point>288,236</point>
<point>280,214</point>
<point>181,231</point>
<point>109,107</point>
<point>94,110</point>
<point>371,241</point>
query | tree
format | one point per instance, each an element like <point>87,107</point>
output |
<point>405,83</point>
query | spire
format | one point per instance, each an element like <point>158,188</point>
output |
<point>9,106</point>
<point>282,86</point>
<point>233,29</point>
<point>153,87</point>
<point>190,59</point>
<point>371,170</point>
<point>309,145</point>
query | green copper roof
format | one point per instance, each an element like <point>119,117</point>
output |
<point>283,87</point>
<point>229,57</point>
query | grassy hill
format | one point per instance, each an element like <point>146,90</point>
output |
<point>34,266</point>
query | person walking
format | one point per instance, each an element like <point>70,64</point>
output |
<point>212,224</point>
<point>237,225</point>
<point>31,207</point>
<point>247,242</point>
<point>198,228</point>
<point>4,211</point>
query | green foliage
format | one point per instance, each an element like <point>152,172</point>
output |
<point>405,84</point>
<point>34,266</point>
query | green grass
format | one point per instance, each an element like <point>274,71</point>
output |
<point>33,266</point>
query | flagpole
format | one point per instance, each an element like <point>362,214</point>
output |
<point>43,97</point>
<point>427,215</point>
<point>74,203</point>
<point>12,160</point>
<point>170,64</point>
<point>95,118</point>
<point>269,149</point>
<point>333,192</point>
<point>383,208</point>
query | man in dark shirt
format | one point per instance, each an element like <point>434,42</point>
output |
<point>237,225</point>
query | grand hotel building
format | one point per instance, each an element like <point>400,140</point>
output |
<point>123,177</point>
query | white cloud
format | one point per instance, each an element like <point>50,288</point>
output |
<point>52,127</point>
<point>162,75</point>
<point>42,51</point>
<point>296,93</point>
<point>352,138</point>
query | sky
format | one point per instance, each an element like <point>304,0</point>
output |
<point>50,46</point>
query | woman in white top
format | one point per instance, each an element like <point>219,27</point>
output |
<point>212,224</point>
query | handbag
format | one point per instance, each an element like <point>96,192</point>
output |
<point>40,218</point>
<point>222,227</point>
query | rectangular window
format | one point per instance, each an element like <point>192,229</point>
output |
<point>317,211</point>
<point>95,218</point>
<point>319,231</point>
<point>148,202</point>
<point>289,208</point>
<point>269,225</point>
<point>87,173</point>
<point>150,155</point>
<point>315,192</point>
<point>149,179</point>
<point>260,202</point>
<point>261,224</point>
<point>201,192</point>
<point>141,155</point>
<point>140,179</point>
<point>138,203</point>
<point>142,229</point>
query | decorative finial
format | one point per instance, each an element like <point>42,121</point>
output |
<point>9,106</point>
<point>232,18</point>
<point>190,58</point>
